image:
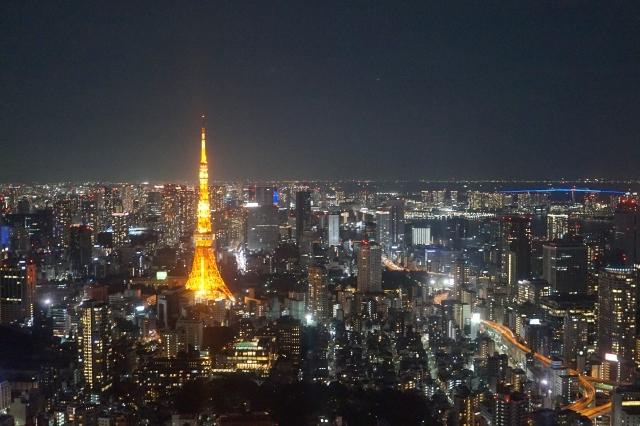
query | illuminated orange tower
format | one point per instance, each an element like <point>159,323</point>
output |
<point>205,278</point>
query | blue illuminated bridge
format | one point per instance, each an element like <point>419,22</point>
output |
<point>564,190</point>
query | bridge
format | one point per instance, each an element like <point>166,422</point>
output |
<point>518,351</point>
<point>564,190</point>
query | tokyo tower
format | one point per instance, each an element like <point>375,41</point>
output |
<point>205,278</point>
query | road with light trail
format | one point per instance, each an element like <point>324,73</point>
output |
<point>582,405</point>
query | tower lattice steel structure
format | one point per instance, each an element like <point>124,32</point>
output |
<point>205,278</point>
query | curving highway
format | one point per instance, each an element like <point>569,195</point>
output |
<point>582,405</point>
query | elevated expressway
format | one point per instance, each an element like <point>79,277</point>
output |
<point>518,351</point>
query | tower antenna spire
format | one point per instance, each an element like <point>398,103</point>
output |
<point>203,141</point>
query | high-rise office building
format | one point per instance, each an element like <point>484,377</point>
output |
<point>515,246</point>
<point>564,265</point>
<point>37,227</point>
<point>265,195</point>
<point>617,310</point>
<point>120,229</point>
<point>420,235</point>
<point>303,213</point>
<point>89,216</point>
<point>383,229</point>
<point>369,268</point>
<point>460,276</point>
<point>62,215</point>
<point>318,294</point>
<point>557,225</point>
<point>334,230</point>
<point>396,225</point>
<point>79,248</point>
<point>577,330</point>
<point>17,291</point>
<point>263,231</point>
<point>627,231</point>
<point>625,401</point>
<point>288,340</point>
<point>95,346</point>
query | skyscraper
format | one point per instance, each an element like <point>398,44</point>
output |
<point>420,235</point>
<point>334,230</point>
<point>509,409</point>
<point>265,195</point>
<point>369,268</point>
<point>515,248</point>
<point>625,401</point>
<point>95,346</point>
<point>17,290</point>
<point>396,229</point>
<point>205,278</point>
<point>79,248</point>
<point>263,231</point>
<point>383,229</point>
<point>303,213</point>
<point>557,225</point>
<point>617,309</point>
<point>564,265</point>
<point>318,294</point>
<point>627,231</point>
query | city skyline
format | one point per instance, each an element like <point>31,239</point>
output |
<point>394,213</point>
<point>414,91</point>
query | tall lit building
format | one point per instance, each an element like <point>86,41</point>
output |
<point>515,248</point>
<point>17,291</point>
<point>369,268</point>
<point>396,230</point>
<point>557,225</point>
<point>62,211</point>
<point>510,409</point>
<point>205,278</point>
<point>617,309</point>
<point>120,229</point>
<point>288,332</point>
<point>95,346</point>
<point>466,405</point>
<point>460,276</point>
<point>334,229</point>
<point>420,235</point>
<point>318,299</point>
<point>625,401</point>
<point>383,229</point>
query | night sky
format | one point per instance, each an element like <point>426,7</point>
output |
<point>300,89</point>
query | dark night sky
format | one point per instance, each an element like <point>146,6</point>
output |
<point>306,89</point>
